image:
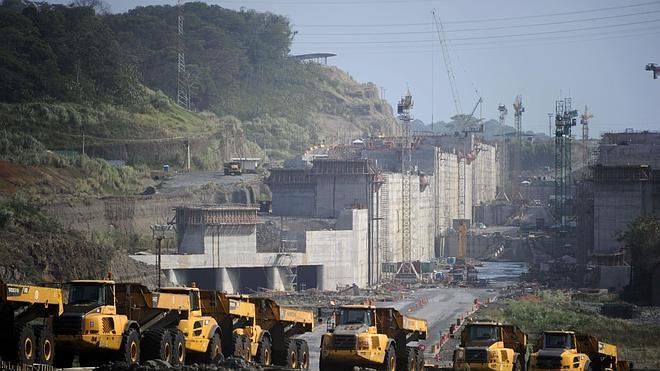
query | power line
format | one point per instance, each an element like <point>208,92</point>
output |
<point>481,28</point>
<point>482,37</point>
<point>484,19</point>
<point>504,43</point>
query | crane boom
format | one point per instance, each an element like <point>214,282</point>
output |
<point>450,69</point>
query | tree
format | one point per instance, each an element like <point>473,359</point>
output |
<point>642,240</point>
<point>99,6</point>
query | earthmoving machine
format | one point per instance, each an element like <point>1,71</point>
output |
<point>369,336</point>
<point>26,314</point>
<point>126,322</point>
<point>232,168</point>
<point>277,334</point>
<point>490,345</point>
<point>560,350</point>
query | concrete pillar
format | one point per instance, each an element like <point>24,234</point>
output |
<point>228,280</point>
<point>274,278</point>
<point>319,278</point>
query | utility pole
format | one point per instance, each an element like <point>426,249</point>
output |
<point>160,232</point>
<point>188,154</point>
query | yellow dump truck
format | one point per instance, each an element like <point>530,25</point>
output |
<point>368,336</point>
<point>104,320</point>
<point>26,315</point>
<point>562,350</point>
<point>277,336</point>
<point>232,168</point>
<point>490,345</point>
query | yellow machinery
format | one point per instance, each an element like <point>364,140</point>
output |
<point>126,322</point>
<point>489,345</point>
<point>561,350</point>
<point>364,335</point>
<point>26,314</point>
<point>280,328</point>
<point>232,168</point>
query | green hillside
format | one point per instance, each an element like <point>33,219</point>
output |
<point>66,70</point>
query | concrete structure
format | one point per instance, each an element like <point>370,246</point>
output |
<point>623,186</point>
<point>217,249</point>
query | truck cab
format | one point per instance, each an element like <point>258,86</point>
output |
<point>489,345</point>
<point>90,322</point>
<point>233,168</point>
<point>364,335</point>
<point>560,350</point>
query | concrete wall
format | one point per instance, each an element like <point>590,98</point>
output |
<point>615,206</point>
<point>230,252</point>
<point>294,199</point>
<point>339,192</point>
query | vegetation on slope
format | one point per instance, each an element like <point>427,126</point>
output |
<point>553,311</point>
<point>65,70</point>
<point>642,240</point>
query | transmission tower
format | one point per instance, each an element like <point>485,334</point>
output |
<point>518,111</point>
<point>182,86</point>
<point>584,121</point>
<point>550,117</point>
<point>406,271</point>
<point>503,154</point>
<point>565,119</point>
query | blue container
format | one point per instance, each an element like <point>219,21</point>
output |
<point>166,168</point>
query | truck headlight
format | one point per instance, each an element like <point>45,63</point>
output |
<point>364,342</point>
<point>459,354</point>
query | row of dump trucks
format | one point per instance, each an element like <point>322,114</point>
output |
<point>490,345</point>
<point>107,321</point>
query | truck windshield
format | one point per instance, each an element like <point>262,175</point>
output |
<point>355,316</point>
<point>91,293</point>
<point>484,333</point>
<point>557,341</point>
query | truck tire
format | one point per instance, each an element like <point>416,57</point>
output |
<point>390,360</point>
<point>241,345</point>
<point>214,350</point>
<point>45,345</point>
<point>178,348</point>
<point>129,351</point>
<point>63,357</point>
<point>409,362</point>
<point>291,353</point>
<point>26,346</point>
<point>303,354</point>
<point>264,352</point>
<point>420,359</point>
<point>157,344</point>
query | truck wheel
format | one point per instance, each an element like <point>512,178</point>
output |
<point>178,348</point>
<point>45,345</point>
<point>214,351</point>
<point>157,344</point>
<point>409,363</point>
<point>129,351</point>
<point>27,345</point>
<point>420,359</point>
<point>517,366</point>
<point>264,352</point>
<point>291,355</point>
<point>63,358</point>
<point>325,366</point>
<point>303,354</point>
<point>390,360</point>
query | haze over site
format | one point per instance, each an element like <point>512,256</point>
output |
<point>594,51</point>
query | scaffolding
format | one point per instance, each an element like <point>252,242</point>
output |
<point>565,119</point>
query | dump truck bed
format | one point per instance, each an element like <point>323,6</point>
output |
<point>389,319</point>
<point>49,298</point>
<point>269,312</point>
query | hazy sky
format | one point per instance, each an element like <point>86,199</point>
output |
<point>592,50</point>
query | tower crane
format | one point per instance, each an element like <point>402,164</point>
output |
<point>450,69</point>
<point>652,67</point>
<point>584,121</point>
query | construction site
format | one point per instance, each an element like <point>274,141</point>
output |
<point>256,207</point>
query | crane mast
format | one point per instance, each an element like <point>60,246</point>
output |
<point>445,56</point>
